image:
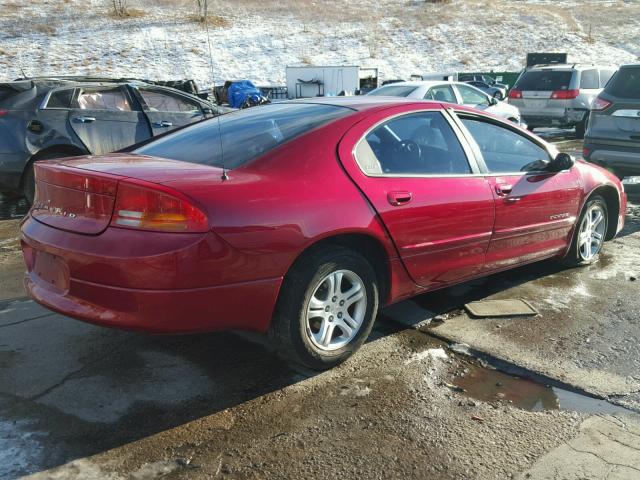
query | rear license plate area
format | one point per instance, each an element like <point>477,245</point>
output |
<point>50,271</point>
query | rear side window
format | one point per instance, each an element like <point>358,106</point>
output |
<point>442,93</point>
<point>589,79</point>
<point>544,80</point>
<point>158,101</point>
<point>243,135</point>
<point>605,76</point>
<point>414,144</point>
<point>394,91</point>
<point>60,99</point>
<point>625,83</point>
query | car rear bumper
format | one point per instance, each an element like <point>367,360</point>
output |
<point>563,118</point>
<point>68,281</point>
<point>625,160</point>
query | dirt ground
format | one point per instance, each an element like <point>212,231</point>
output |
<point>11,264</point>
<point>423,399</point>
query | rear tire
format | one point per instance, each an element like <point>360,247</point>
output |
<point>28,178</point>
<point>581,128</point>
<point>29,184</point>
<point>589,236</point>
<point>326,308</point>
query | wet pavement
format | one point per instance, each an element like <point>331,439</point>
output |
<point>450,397</point>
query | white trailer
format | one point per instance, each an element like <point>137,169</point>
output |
<point>313,81</point>
<point>450,76</point>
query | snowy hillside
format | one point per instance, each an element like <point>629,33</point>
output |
<point>257,39</point>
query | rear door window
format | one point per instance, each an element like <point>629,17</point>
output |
<point>103,99</point>
<point>544,80</point>
<point>442,93</point>
<point>243,135</point>
<point>414,144</point>
<point>589,79</point>
<point>625,83</point>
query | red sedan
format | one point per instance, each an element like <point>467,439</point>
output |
<point>302,218</point>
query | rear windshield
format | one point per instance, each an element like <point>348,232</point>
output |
<point>544,80</point>
<point>246,134</point>
<point>625,83</point>
<point>394,91</point>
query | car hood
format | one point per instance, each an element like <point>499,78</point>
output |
<point>503,109</point>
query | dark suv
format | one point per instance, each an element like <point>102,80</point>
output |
<point>613,134</point>
<point>48,118</point>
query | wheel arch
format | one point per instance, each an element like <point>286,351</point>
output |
<point>365,244</point>
<point>612,199</point>
<point>67,149</point>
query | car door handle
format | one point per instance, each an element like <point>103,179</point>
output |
<point>504,189</point>
<point>85,119</point>
<point>399,198</point>
<point>163,124</point>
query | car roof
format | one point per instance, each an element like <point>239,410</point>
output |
<point>359,102</point>
<point>569,66</point>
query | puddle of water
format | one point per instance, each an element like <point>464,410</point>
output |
<point>489,385</point>
<point>11,208</point>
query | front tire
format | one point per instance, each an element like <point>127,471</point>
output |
<point>590,234</point>
<point>326,308</point>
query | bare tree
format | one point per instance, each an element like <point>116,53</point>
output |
<point>120,8</point>
<point>203,7</point>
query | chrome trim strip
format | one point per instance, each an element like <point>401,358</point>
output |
<point>626,113</point>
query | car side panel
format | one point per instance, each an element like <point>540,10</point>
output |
<point>274,208</point>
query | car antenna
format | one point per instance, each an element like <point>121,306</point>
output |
<point>224,170</point>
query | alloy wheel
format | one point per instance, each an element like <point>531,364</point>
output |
<point>592,232</point>
<point>336,310</point>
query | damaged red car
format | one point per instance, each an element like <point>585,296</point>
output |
<point>301,219</point>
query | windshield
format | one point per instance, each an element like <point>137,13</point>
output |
<point>625,83</point>
<point>246,134</point>
<point>544,80</point>
<point>394,91</point>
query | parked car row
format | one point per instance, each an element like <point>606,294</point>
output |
<point>45,118</point>
<point>613,135</point>
<point>451,92</point>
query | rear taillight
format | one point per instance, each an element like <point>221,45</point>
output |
<point>600,104</point>
<point>513,93</point>
<point>565,94</point>
<point>585,152</point>
<point>3,112</point>
<point>146,206</point>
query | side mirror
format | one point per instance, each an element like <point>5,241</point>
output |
<point>563,161</point>
<point>493,101</point>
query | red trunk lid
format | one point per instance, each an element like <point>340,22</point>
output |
<point>78,194</point>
